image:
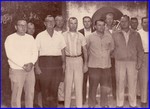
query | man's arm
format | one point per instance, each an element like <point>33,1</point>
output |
<point>140,52</point>
<point>37,68</point>
<point>63,59</point>
<point>85,67</point>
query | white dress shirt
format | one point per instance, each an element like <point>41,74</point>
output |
<point>144,38</point>
<point>87,33</point>
<point>50,46</point>
<point>20,50</point>
<point>126,36</point>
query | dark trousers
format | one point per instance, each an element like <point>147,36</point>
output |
<point>113,78</point>
<point>85,78</point>
<point>96,76</point>
<point>51,67</point>
<point>37,89</point>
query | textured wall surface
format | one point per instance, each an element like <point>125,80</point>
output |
<point>81,9</point>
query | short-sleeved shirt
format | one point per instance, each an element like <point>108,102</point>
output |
<point>74,41</point>
<point>50,46</point>
<point>99,50</point>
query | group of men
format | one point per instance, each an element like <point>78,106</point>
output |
<point>104,54</point>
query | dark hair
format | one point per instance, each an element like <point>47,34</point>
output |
<point>48,16</point>
<point>143,18</point>
<point>134,18</point>
<point>58,16</point>
<point>126,17</point>
<point>73,18</point>
<point>101,20</point>
<point>109,13</point>
<point>87,17</point>
<point>18,19</point>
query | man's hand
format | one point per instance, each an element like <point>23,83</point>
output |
<point>138,66</point>
<point>37,70</point>
<point>85,68</point>
<point>63,73</point>
<point>64,67</point>
<point>28,67</point>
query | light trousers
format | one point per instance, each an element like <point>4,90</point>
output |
<point>126,70</point>
<point>143,79</point>
<point>21,79</point>
<point>73,74</point>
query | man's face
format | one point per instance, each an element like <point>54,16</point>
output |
<point>145,24</point>
<point>87,23</point>
<point>73,23</point>
<point>109,20</point>
<point>49,22</point>
<point>30,29</point>
<point>124,23</point>
<point>59,22</point>
<point>134,24</point>
<point>21,26</point>
<point>100,26</point>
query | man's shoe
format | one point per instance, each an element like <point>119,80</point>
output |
<point>119,106</point>
<point>144,105</point>
<point>105,106</point>
<point>138,97</point>
<point>133,106</point>
<point>36,106</point>
<point>61,103</point>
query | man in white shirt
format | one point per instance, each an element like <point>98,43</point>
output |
<point>86,31</point>
<point>51,62</point>
<point>143,72</point>
<point>22,55</point>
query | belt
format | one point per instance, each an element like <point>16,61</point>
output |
<point>74,56</point>
<point>145,52</point>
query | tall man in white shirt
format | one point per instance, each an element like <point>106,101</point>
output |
<point>75,67</point>
<point>51,62</point>
<point>22,54</point>
<point>86,31</point>
<point>143,72</point>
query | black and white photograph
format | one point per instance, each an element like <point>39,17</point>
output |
<point>74,54</point>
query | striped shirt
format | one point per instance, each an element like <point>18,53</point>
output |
<point>74,43</point>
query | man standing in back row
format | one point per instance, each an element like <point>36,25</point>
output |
<point>143,71</point>
<point>86,31</point>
